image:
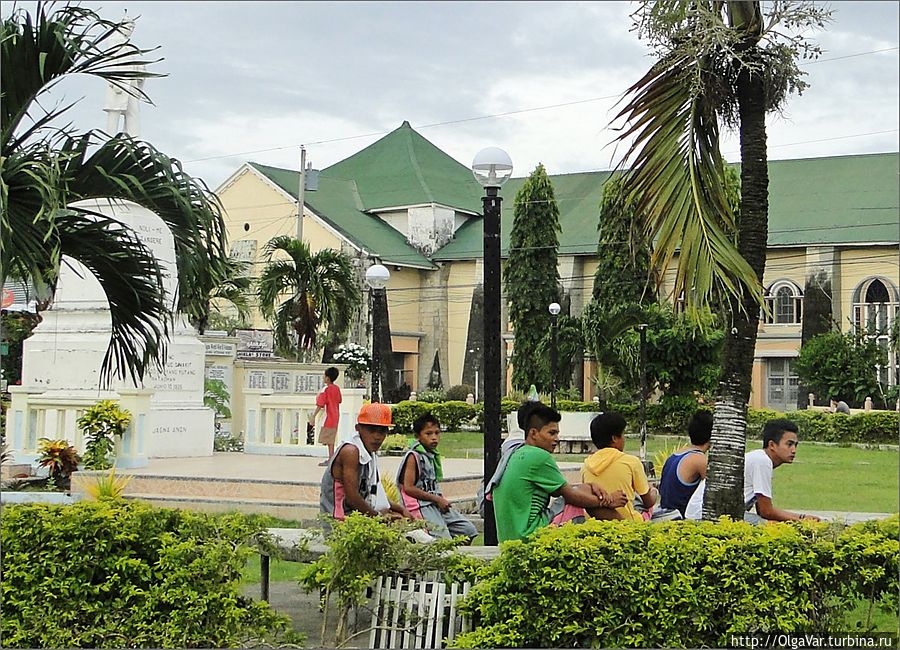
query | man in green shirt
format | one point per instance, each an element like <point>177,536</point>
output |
<point>522,498</point>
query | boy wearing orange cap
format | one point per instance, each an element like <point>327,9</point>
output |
<point>351,482</point>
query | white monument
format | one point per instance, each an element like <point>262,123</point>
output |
<point>123,103</point>
<point>62,359</point>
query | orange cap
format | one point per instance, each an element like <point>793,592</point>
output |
<point>376,415</point>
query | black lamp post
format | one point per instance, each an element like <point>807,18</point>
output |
<point>642,330</point>
<point>492,167</point>
<point>377,277</point>
<point>554,309</point>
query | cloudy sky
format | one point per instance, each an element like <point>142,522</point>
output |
<point>253,81</point>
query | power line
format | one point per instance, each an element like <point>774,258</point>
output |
<point>481,117</point>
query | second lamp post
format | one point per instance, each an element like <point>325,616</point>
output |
<point>377,277</point>
<point>554,310</point>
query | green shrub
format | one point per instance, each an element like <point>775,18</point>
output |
<point>877,427</point>
<point>683,584</point>
<point>453,414</point>
<point>124,574</point>
<point>405,413</point>
<point>431,395</point>
<point>101,423</point>
<point>572,406</point>
<point>459,393</point>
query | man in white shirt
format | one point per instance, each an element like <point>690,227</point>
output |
<point>779,447</point>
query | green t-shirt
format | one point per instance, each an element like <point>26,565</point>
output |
<point>521,498</point>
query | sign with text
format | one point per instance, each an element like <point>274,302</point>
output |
<point>254,344</point>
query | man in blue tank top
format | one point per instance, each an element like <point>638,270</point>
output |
<point>684,469</point>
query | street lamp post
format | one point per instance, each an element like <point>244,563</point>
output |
<point>492,167</point>
<point>642,329</point>
<point>377,277</point>
<point>554,309</point>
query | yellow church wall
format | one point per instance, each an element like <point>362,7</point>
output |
<point>861,264</point>
<point>459,295</point>
<point>404,294</point>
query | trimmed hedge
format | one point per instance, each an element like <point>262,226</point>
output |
<point>671,417</point>
<point>115,574</point>
<point>683,584</point>
<point>877,427</point>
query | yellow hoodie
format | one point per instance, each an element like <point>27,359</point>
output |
<point>614,470</point>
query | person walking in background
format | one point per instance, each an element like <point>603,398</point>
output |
<point>683,470</point>
<point>329,400</point>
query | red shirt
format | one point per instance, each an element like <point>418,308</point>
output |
<point>330,398</point>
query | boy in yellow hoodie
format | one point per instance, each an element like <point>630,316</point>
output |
<point>612,469</point>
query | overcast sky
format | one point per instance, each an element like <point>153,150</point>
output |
<point>244,77</point>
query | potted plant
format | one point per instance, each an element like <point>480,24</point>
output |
<point>358,361</point>
<point>61,459</point>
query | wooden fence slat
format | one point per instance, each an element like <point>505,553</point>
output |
<point>396,599</point>
<point>376,617</point>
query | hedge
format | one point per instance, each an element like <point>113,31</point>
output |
<point>115,574</point>
<point>877,427</point>
<point>671,417</point>
<point>683,584</point>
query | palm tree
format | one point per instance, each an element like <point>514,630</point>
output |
<point>303,291</point>
<point>231,285</point>
<point>44,168</point>
<point>718,60</point>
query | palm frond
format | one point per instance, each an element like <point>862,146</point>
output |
<point>124,168</point>
<point>677,182</point>
<point>133,283</point>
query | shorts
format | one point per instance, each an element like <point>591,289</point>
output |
<point>327,435</point>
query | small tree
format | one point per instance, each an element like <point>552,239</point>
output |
<point>531,277</point>
<point>100,424</point>
<point>843,365</point>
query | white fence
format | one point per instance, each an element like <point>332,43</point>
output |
<point>276,423</point>
<point>35,414</point>
<point>416,612</point>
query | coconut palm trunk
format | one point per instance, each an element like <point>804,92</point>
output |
<point>724,493</point>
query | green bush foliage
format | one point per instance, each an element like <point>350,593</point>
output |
<point>101,423</point>
<point>877,427</point>
<point>431,395</point>
<point>453,414</point>
<point>405,413</point>
<point>843,365</point>
<point>105,574</point>
<point>683,584</point>
<point>459,393</point>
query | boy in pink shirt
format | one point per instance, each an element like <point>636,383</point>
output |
<point>330,400</point>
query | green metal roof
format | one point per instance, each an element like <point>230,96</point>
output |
<point>852,199</point>
<point>338,202</point>
<point>403,169</point>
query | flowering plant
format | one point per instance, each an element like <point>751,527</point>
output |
<point>357,359</point>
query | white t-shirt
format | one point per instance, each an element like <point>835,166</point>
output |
<point>694,507</point>
<point>757,475</point>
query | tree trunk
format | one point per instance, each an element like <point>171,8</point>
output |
<point>725,480</point>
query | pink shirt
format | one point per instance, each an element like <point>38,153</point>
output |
<point>330,399</point>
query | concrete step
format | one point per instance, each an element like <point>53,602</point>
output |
<point>291,510</point>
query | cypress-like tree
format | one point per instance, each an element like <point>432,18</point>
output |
<point>532,278</point>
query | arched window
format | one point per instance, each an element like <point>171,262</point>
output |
<point>785,302</point>
<point>876,304</point>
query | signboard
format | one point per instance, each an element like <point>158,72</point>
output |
<point>8,298</point>
<point>254,344</point>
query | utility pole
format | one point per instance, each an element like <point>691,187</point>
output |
<point>300,191</point>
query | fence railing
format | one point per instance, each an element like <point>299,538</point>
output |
<point>35,414</point>
<point>416,612</point>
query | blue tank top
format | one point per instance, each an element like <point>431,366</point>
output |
<point>675,493</point>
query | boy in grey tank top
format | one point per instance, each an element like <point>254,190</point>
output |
<point>418,479</point>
